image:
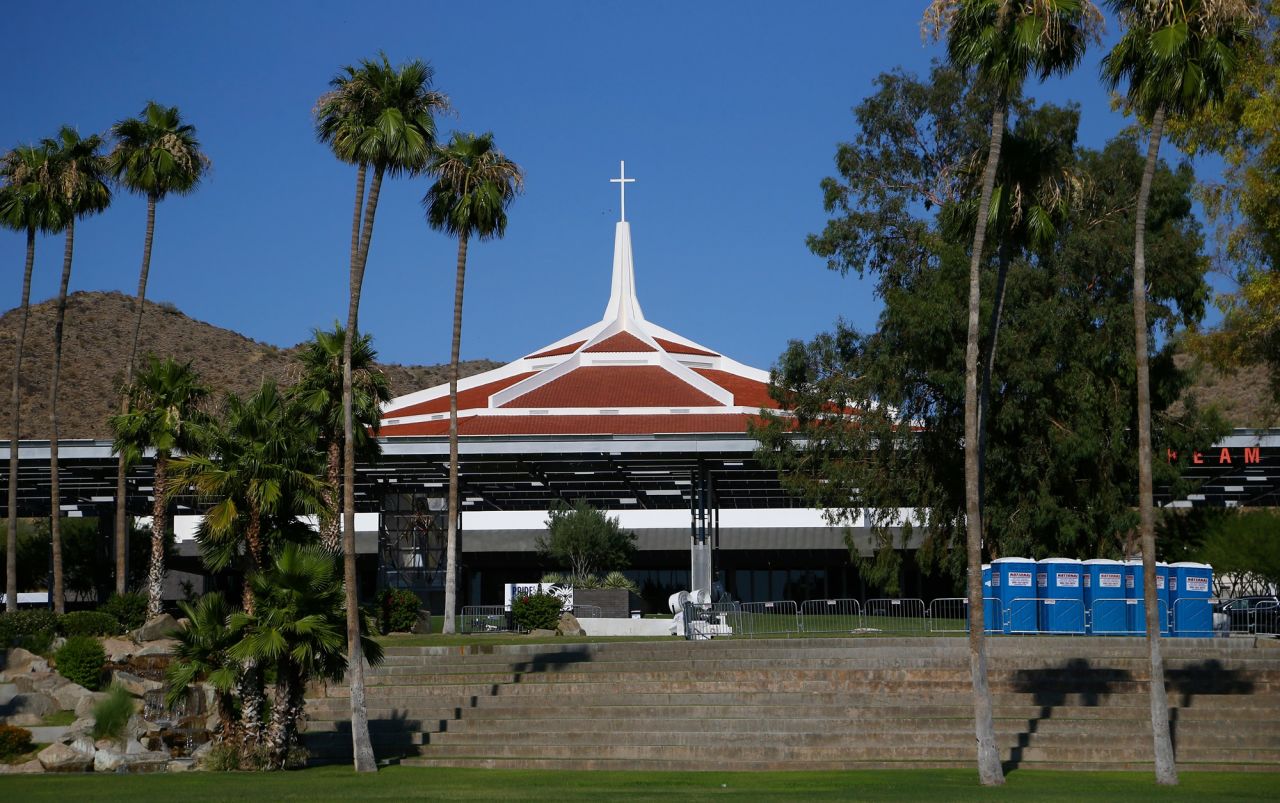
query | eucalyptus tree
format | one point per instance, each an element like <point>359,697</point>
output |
<point>474,184</point>
<point>25,206</point>
<point>1175,58</point>
<point>318,396</point>
<point>78,188</point>
<point>381,118</point>
<point>155,155</point>
<point>165,413</point>
<point>1002,41</point>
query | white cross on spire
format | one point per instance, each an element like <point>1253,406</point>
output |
<point>622,181</point>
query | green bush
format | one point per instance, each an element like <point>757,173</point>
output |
<point>80,661</point>
<point>130,609</point>
<point>536,612</point>
<point>25,628</point>
<point>619,580</point>
<point>398,610</point>
<point>14,741</point>
<point>111,714</point>
<point>224,757</point>
<point>89,623</point>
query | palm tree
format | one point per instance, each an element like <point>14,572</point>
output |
<point>164,414</point>
<point>298,630</point>
<point>1175,58</point>
<point>318,395</point>
<point>261,466</point>
<point>24,206</point>
<point>475,183</point>
<point>202,653</point>
<point>375,117</point>
<point>1003,41</point>
<point>155,154</point>
<point>78,187</point>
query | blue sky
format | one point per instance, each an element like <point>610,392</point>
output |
<point>727,114</point>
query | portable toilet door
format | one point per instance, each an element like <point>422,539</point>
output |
<point>1104,597</point>
<point>991,621</point>
<point>1134,586</point>
<point>1061,595</point>
<point>1163,595</point>
<point>1192,585</point>
<point>1016,592</point>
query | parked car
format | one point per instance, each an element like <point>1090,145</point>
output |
<point>1256,614</point>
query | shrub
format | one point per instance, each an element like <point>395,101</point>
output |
<point>555,579</point>
<point>80,661</point>
<point>130,609</point>
<point>536,612</point>
<point>14,741</point>
<point>620,580</point>
<point>398,610</point>
<point>223,757</point>
<point>89,623</point>
<point>29,629</point>
<point>111,714</point>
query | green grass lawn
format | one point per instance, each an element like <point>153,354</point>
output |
<point>399,783</point>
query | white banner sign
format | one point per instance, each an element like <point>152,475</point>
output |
<point>513,590</point>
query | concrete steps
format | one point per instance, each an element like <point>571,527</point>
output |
<point>807,703</point>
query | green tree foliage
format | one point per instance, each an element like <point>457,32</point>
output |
<point>89,573</point>
<point>584,540</point>
<point>880,413</point>
<point>536,612</point>
<point>202,654</point>
<point>1244,205</point>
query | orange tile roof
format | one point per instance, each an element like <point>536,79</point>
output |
<point>616,386</point>
<point>467,399</point>
<point>569,349</point>
<point>477,425</point>
<point>746,392</point>
<point>672,347</point>
<point>622,342</point>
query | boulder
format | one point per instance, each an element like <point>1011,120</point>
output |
<point>108,759</point>
<point>180,765</point>
<point>68,695</point>
<point>82,726</point>
<point>162,646</point>
<point>155,629</point>
<point>423,625</point>
<point>61,758</point>
<point>148,761</point>
<point>24,768</point>
<point>118,649</point>
<point>83,743</point>
<point>568,625</point>
<point>134,747</point>
<point>133,684</point>
<point>18,661</point>
<point>541,633</point>
<point>29,708</point>
<point>84,706</point>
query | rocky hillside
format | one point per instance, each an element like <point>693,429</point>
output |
<point>95,347</point>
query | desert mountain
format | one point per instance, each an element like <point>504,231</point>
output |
<point>95,346</point>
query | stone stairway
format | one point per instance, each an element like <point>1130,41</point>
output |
<point>1067,703</point>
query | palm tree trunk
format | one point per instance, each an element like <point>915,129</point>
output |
<point>55,492</point>
<point>330,521</point>
<point>988,368</point>
<point>253,536</point>
<point>989,770</point>
<point>277,737</point>
<point>155,569</point>
<point>362,746</point>
<point>122,529</point>
<point>451,540</point>
<point>11,535</point>
<point>253,701</point>
<point>1166,769</point>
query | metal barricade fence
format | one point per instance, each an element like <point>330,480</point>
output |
<point>704,620</point>
<point>1266,619</point>
<point>1194,618</point>
<point>780,617</point>
<point>949,615</point>
<point>485,619</point>
<point>588,612</point>
<point>895,616</point>
<point>831,616</point>
<point>1061,616</point>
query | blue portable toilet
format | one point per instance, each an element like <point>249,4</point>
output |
<point>1014,581</point>
<point>991,622</point>
<point>1060,587</point>
<point>1190,586</point>
<point>1133,586</point>
<point>1104,596</point>
<point>1162,588</point>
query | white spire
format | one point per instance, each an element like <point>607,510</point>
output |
<point>623,304</point>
